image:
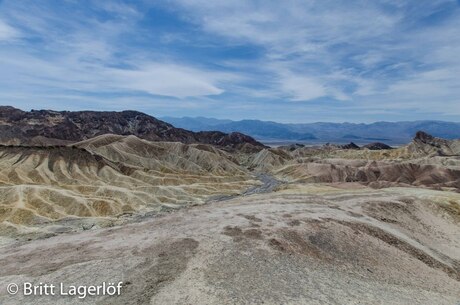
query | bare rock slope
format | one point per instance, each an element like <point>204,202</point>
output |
<point>63,127</point>
<point>306,244</point>
<point>41,187</point>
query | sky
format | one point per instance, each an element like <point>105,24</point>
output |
<point>286,61</point>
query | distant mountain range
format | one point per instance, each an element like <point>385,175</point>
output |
<point>63,127</point>
<point>389,132</point>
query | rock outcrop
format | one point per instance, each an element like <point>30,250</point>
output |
<point>425,144</point>
<point>377,146</point>
<point>350,145</point>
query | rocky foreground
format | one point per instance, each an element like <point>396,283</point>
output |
<point>314,244</point>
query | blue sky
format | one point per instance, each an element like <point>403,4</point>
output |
<point>286,61</point>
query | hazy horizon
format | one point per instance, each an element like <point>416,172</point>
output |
<point>236,120</point>
<point>301,122</point>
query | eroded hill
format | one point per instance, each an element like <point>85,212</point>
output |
<point>295,224</point>
<point>107,177</point>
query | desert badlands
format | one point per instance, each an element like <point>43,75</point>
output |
<point>209,218</point>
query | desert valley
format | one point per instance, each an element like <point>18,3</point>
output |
<point>186,217</point>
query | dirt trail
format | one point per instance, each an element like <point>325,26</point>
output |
<point>269,184</point>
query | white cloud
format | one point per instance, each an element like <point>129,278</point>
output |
<point>81,53</point>
<point>119,8</point>
<point>437,85</point>
<point>302,88</point>
<point>168,79</point>
<point>386,47</point>
<point>286,26</point>
<point>294,34</point>
<point>149,77</point>
<point>7,32</point>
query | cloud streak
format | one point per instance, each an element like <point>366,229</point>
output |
<point>7,32</point>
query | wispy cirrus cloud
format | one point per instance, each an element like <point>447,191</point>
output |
<point>149,77</point>
<point>7,32</point>
<point>344,49</point>
<point>89,55</point>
